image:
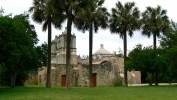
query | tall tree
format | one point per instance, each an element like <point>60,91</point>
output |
<point>171,62</point>
<point>69,8</point>
<point>125,19</point>
<point>169,39</point>
<point>43,14</point>
<point>17,46</point>
<point>91,19</point>
<point>29,28</point>
<point>155,21</point>
<point>147,60</point>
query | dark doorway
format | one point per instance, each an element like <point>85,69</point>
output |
<point>63,80</point>
<point>94,79</point>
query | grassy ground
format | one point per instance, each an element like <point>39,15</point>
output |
<point>84,93</point>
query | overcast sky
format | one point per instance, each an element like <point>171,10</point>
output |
<point>111,41</point>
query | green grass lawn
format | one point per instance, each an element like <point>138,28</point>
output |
<point>85,93</point>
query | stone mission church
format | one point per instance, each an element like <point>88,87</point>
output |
<point>106,66</point>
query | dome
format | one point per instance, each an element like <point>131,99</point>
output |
<point>102,51</point>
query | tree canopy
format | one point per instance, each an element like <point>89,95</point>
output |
<point>155,21</point>
<point>17,38</point>
<point>169,38</point>
<point>151,61</point>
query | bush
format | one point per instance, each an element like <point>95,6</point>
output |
<point>117,82</point>
<point>5,77</point>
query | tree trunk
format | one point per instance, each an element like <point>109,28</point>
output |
<point>48,83</point>
<point>156,70</point>
<point>12,79</point>
<point>68,53</point>
<point>156,78</point>
<point>125,59</point>
<point>90,56</point>
<point>152,78</point>
<point>154,40</point>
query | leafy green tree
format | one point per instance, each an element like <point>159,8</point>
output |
<point>3,69</point>
<point>124,20</point>
<point>29,27</point>
<point>149,61</point>
<point>155,21</point>
<point>91,19</point>
<point>168,42</point>
<point>42,52</point>
<point>171,61</point>
<point>17,47</point>
<point>43,14</point>
<point>169,38</point>
<point>21,76</point>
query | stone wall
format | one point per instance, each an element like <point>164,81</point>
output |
<point>33,78</point>
<point>42,75</point>
<point>134,77</point>
<point>106,71</point>
<point>60,70</point>
<point>53,76</point>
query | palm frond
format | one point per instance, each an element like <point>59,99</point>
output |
<point>94,14</point>
<point>124,18</point>
<point>157,20</point>
<point>45,26</point>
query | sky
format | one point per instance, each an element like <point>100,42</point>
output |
<point>112,42</point>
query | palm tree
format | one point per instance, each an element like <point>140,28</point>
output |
<point>42,13</point>
<point>92,17</point>
<point>154,21</point>
<point>125,19</point>
<point>69,8</point>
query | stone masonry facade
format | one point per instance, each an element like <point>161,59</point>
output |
<point>106,67</point>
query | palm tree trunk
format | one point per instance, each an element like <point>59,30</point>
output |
<point>156,70</point>
<point>12,79</point>
<point>68,53</point>
<point>90,56</point>
<point>154,40</point>
<point>125,59</point>
<point>48,83</point>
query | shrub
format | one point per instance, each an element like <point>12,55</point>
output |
<point>117,82</point>
<point>5,77</point>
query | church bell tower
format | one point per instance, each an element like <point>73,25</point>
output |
<point>59,48</point>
